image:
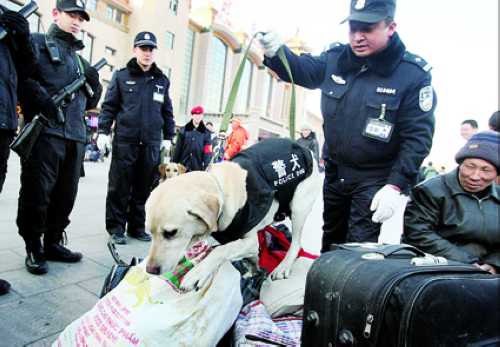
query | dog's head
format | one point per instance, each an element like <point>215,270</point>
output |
<point>180,212</point>
<point>170,170</point>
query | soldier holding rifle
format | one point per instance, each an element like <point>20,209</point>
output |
<point>49,178</point>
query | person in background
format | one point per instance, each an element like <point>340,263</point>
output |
<point>138,101</point>
<point>308,140</point>
<point>494,121</point>
<point>468,128</point>
<point>193,147</point>
<point>378,103</point>
<point>49,179</point>
<point>237,140</point>
<point>456,215</point>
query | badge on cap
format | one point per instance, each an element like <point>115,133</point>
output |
<point>360,4</point>
<point>80,3</point>
<point>426,99</point>
<point>338,79</point>
<point>147,36</point>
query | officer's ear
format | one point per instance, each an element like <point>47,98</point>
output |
<point>391,28</point>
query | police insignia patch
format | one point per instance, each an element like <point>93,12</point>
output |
<point>80,3</point>
<point>426,99</point>
<point>147,37</point>
<point>360,4</point>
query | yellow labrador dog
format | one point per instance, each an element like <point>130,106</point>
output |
<point>170,170</point>
<point>231,202</point>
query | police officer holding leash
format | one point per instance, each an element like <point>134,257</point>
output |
<point>17,61</point>
<point>138,100</point>
<point>49,178</point>
<point>378,104</point>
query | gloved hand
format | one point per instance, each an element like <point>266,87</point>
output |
<point>271,43</point>
<point>92,76</point>
<point>16,25</point>
<point>166,145</point>
<point>103,142</point>
<point>384,203</point>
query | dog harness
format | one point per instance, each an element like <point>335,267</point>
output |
<point>275,167</point>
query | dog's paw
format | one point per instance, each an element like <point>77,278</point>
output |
<point>282,271</point>
<point>196,278</point>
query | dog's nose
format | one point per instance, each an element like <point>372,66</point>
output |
<point>153,270</point>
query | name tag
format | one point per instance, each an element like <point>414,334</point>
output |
<point>158,97</point>
<point>378,129</point>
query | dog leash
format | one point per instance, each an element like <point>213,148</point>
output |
<point>228,110</point>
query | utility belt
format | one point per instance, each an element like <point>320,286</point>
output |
<point>340,171</point>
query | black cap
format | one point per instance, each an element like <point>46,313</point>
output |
<point>145,38</point>
<point>371,11</point>
<point>73,6</point>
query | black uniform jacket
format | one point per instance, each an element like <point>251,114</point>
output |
<point>140,104</point>
<point>394,84</point>
<point>193,148</point>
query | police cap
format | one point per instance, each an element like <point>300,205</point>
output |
<point>371,11</point>
<point>73,6</point>
<point>145,38</point>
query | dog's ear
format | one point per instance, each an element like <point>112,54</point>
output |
<point>207,210</point>
<point>181,168</point>
<point>162,168</point>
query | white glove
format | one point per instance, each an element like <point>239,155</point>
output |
<point>103,142</point>
<point>271,43</point>
<point>384,203</point>
<point>166,145</point>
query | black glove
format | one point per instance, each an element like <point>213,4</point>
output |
<point>39,99</point>
<point>92,77</point>
<point>16,25</point>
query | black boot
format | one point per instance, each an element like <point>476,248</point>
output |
<point>57,252</point>
<point>138,234</point>
<point>4,287</point>
<point>35,259</point>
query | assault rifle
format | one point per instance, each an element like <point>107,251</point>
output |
<point>25,11</point>
<point>24,142</point>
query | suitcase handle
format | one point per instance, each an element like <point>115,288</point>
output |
<point>385,250</point>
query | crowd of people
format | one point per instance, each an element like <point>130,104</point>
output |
<point>378,106</point>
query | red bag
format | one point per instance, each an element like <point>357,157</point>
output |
<point>273,245</point>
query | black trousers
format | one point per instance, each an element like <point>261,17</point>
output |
<point>132,174</point>
<point>6,137</point>
<point>346,214</point>
<point>49,184</point>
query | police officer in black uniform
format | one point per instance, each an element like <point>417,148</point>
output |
<point>17,61</point>
<point>378,104</point>
<point>49,178</point>
<point>138,101</point>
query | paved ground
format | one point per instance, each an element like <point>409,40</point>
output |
<point>40,307</point>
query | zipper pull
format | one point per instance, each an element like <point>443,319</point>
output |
<point>382,111</point>
<point>368,326</point>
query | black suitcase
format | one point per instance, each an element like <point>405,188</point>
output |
<point>389,295</point>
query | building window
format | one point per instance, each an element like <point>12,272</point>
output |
<point>110,12</point>
<point>243,100</point>
<point>186,72</point>
<point>33,20</point>
<point>167,71</point>
<point>267,92</point>
<point>216,75</point>
<point>170,38</point>
<point>92,5</point>
<point>88,41</point>
<point>118,16</point>
<point>174,4</point>
<point>110,51</point>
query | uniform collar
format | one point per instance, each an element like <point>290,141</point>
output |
<point>68,38</point>
<point>135,69</point>
<point>382,63</point>
<point>453,183</point>
<point>201,127</point>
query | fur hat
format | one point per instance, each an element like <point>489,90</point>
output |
<point>197,110</point>
<point>484,145</point>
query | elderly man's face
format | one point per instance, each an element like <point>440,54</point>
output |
<point>475,175</point>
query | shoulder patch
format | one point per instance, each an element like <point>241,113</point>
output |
<point>417,60</point>
<point>335,45</point>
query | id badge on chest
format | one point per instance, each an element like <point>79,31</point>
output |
<point>379,128</point>
<point>158,97</point>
